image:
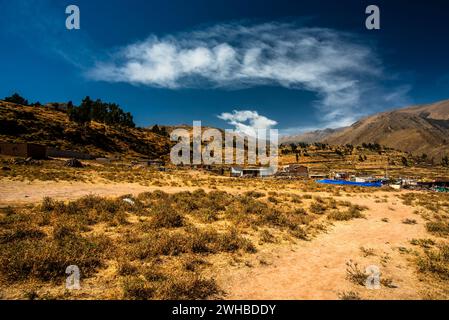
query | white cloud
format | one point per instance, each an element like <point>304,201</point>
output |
<point>247,122</point>
<point>334,65</point>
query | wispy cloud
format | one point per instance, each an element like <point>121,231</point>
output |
<point>336,66</point>
<point>247,122</point>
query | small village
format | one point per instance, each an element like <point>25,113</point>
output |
<point>31,152</point>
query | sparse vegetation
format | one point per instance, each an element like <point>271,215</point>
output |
<point>367,252</point>
<point>409,221</point>
<point>435,261</point>
<point>174,234</point>
<point>353,212</point>
<point>355,274</point>
<point>349,295</point>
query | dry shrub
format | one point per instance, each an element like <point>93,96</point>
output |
<point>47,259</point>
<point>191,263</point>
<point>160,243</point>
<point>266,237</point>
<point>439,228</point>
<point>299,232</point>
<point>125,268</point>
<point>231,241</point>
<point>425,243</point>
<point>136,288</point>
<point>254,194</point>
<point>165,216</point>
<point>177,286</point>
<point>193,241</point>
<point>436,261</point>
<point>409,221</point>
<point>349,295</point>
<point>354,274</point>
<point>20,232</point>
<point>318,207</point>
<point>207,215</point>
<point>353,212</point>
<point>88,210</point>
<point>188,286</point>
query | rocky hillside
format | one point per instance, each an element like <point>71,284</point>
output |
<point>422,129</point>
<point>51,127</point>
<point>309,137</point>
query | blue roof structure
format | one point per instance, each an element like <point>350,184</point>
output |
<point>351,183</point>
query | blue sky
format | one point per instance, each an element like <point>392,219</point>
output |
<point>293,65</point>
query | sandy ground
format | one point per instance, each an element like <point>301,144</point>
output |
<point>22,192</point>
<point>317,269</point>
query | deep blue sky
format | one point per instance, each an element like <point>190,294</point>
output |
<point>44,62</point>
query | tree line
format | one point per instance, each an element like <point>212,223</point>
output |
<point>89,110</point>
<point>103,112</point>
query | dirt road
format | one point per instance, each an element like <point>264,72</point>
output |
<point>20,192</point>
<point>316,269</point>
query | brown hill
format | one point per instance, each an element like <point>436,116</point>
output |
<point>51,127</point>
<point>309,137</point>
<point>417,129</point>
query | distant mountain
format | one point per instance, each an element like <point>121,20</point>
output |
<point>310,137</point>
<point>416,129</point>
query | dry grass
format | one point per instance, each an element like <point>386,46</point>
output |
<point>433,255</point>
<point>353,212</point>
<point>435,261</point>
<point>158,245</point>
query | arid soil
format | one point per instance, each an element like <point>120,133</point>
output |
<point>317,269</point>
<point>22,192</point>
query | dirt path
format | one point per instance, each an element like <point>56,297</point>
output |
<point>20,192</point>
<point>317,269</point>
<point>23,192</point>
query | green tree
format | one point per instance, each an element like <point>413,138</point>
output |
<point>17,99</point>
<point>404,161</point>
<point>164,132</point>
<point>81,114</point>
<point>156,129</point>
<point>108,113</point>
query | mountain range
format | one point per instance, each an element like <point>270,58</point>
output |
<point>420,129</point>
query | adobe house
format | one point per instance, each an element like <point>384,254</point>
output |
<point>251,172</point>
<point>298,170</point>
<point>294,170</point>
<point>25,150</point>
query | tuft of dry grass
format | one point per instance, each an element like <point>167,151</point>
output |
<point>353,212</point>
<point>355,274</point>
<point>349,295</point>
<point>435,261</point>
<point>439,228</point>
